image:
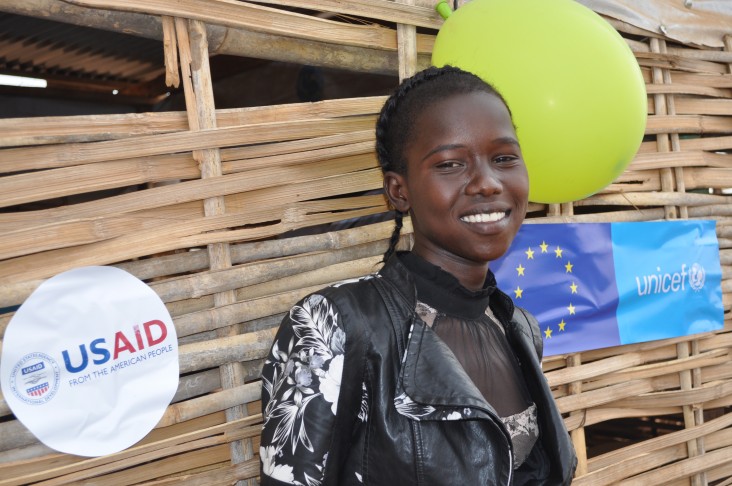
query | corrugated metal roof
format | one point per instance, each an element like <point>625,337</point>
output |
<point>79,58</point>
<point>693,22</point>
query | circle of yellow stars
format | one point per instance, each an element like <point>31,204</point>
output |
<point>544,247</point>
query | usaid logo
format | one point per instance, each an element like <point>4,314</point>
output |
<point>671,282</point>
<point>90,361</point>
<point>155,332</point>
<point>35,378</point>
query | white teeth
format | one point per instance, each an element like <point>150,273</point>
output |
<point>483,218</point>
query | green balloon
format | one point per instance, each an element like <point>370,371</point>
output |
<point>573,85</point>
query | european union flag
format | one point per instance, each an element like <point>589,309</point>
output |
<point>594,285</point>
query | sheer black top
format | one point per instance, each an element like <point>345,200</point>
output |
<point>471,324</point>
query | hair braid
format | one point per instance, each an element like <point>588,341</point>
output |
<point>394,240</point>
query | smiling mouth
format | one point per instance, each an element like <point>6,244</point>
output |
<point>483,217</point>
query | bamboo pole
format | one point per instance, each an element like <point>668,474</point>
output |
<point>701,79</point>
<point>407,46</point>
<point>578,434</point>
<point>224,350</point>
<point>691,106</point>
<point>698,124</point>
<point>680,159</point>
<point>685,468</point>
<point>637,199</point>
<point>170,49</point>
<point>656,59</point>
<point>664,105</point>
<point>67,181</point>
<point>255,273</point>
<point>662,139</point>
<point>230,397</point>
<point>263,250</point>
<point>680,88</point>
<point>172,234</point>
<point>610,394</point>
<point>245,15</point>
<point>674,137</point>
<point>86,128</point>
<point>193,51</point>
<point>138,454</point>
<point>667,368</point>
<point>48,157</point>
<point>275,297</point>
<point>408,13</point>
<point>168,204</point>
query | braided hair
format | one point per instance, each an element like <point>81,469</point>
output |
<point>401,111</point>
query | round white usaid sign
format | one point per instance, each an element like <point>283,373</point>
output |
<point>90,361</point>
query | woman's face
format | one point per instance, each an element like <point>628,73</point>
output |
<point>466,186</point>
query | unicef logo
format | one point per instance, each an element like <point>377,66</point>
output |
<point>35,378</point>
<point>696,277</point>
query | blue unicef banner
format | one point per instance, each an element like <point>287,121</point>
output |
<point>594,285</point>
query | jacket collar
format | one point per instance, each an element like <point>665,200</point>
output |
<point>501,304</point>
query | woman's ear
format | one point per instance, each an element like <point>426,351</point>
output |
<point>396,191</point>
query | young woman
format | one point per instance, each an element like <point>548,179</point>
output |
<point>425,373</point>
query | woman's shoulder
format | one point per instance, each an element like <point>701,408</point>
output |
<point>342,296</point>
<point>350,290</point>
<point>356,304</point>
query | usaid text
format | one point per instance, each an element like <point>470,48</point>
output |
<point>152,333</point>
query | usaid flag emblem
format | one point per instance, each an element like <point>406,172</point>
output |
<point>35,378</point>
<point>89,361</point>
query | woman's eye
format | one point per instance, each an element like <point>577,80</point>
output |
<point>503,159</point>
<point>449,164</point>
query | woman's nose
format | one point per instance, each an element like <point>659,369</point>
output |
<point>483,181</point>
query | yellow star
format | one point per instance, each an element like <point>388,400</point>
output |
<point>519,292</point>
<point>520,270</point>
<point>543,246</point>
<point>548,332</point>
<point>571,309</point>
<point>569,266</point>
<point>561,325</point>
<point>558,251</point>
<point>573,287</point>
<point>530,254</point>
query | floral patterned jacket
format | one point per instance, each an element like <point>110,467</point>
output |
<point>358,390</point>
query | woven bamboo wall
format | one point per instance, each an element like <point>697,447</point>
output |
<point>196,204</point>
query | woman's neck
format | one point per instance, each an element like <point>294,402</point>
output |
<point>471,275</point>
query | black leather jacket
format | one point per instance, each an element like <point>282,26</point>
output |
<point>427,424</point>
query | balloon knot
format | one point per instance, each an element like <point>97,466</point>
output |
<point>443,9</point>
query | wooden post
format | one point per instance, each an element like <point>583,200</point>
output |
<point>578,434</point>
<point>662,139</point>
<point>567,209</point>
<point>575,388</point>
<point>665,105</point>
<point>201,110</point>
<point>407,47</point>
